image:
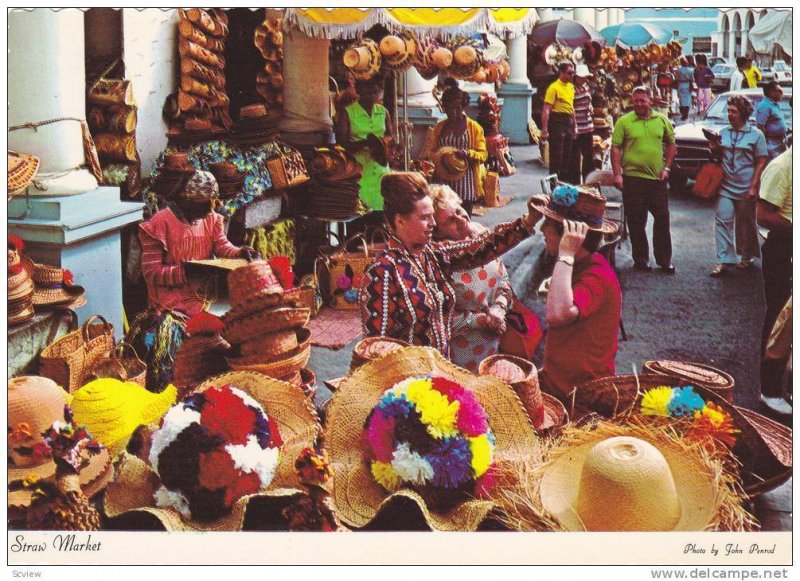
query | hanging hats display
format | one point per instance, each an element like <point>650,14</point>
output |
<point>399,51</point>
<point>467,58</point>
<point>424,58</point>
<point>363,58</point>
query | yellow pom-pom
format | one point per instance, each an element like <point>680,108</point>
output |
<point>656,400</point>
<point>437,412</point>
<point>716,417</point>
<point>384,474</point>
<point>481,454</point>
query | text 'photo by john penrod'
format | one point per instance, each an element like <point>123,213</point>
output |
<point>400,269</point>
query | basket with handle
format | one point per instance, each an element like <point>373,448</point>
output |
<point>310,289</point>
<point>287,169</point>
<point>346,269</point>
<point>375,247</point>
<point>120,365</point>
<point>69,360</point>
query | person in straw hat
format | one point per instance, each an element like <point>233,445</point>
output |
<point>187,229</point>
<point>359,127</point>
<point>466,136</point>
<point>483,294</point>
<point>407,292</point>
<point>584,303</point>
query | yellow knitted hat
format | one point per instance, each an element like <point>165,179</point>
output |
<point>112,409</point>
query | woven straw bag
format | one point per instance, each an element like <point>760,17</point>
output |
<point>346,269</point>
<point>119,365</point>
<point>287,169</point>
<point>310,290</point>
<point>69,360</point>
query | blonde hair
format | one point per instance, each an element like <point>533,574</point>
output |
<point>442,196</point>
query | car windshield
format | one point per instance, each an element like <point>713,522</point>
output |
<point>718,111</point>
<point>780,67</point>
<point>720,69</point>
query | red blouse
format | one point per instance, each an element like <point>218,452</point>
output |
<point>410,297</point>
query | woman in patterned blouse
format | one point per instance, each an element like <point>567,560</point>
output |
<point>407,293</point>
<point>483,294</point>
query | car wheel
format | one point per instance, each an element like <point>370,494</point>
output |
<point>678,182</point>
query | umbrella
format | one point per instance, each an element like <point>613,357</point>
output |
<point>774,28</point>
<point>636,34</point>
<point>569,33</point>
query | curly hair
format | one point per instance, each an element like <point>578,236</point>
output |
<point>743,104</point>
<point>401,191</point>
<point>443,196</point>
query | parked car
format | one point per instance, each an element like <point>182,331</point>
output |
<point>693,150</point>
<point>782,73</point>
<point>716,60</point>
<point>767,75</point>
<point>722,77</point>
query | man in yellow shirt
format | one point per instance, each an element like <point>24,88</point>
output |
<point>558,119</point>
<point>751,74</point>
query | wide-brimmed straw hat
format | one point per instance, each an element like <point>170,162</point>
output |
<point>239,329</point>
<point>363,58</point>
<point>625,477</point>
<point>424,61</point>
<point>198,358</point>
<point>399,50</point>
<point>22,168</point>
<point>545,411</point>
<point>298,423</point>
<point>450,167</point>
<point>576,203</point>
<point>357,496</point>
<point>281,366</point>
<point>467,58</point>
<point>54,287</point>
<point>34,403</point>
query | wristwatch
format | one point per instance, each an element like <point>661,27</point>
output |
<point>568,260</point>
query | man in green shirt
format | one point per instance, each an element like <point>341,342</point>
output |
<point>643,147</point>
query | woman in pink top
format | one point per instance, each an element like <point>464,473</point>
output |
<point>187,229</point>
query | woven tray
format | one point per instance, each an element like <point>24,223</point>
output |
<point>696,374</point>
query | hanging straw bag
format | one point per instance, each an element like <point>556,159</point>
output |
<point>346,269</point>
<point>311,291</point>
<point>120,366</point>
<point>69,360</point>
<point>287,169</point>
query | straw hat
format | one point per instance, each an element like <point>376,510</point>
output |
<point>34,403</point>
<point>545,411</point>
<point>423,59</point>
<point>270,345</point>
<point>198,358</point>
<point>633,478</point>
<point>22,168</point>
<point>550,55</point>
<point>582,70</point>
<point>576,203</point>
<point>357,497</point>
<point>467,58</point>
<point>112,409</point>
<point>280,366</point>
<point>54,287</point>
<point>251,280</point>
<point>450,166</point>
<point>134,486</point>
<point>372,348</point>
<point>239,329</point>
<point>442,57</point>
<point>400,50</point>
<point>363,59</point>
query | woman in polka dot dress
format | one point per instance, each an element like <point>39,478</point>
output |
<point>483,294</point>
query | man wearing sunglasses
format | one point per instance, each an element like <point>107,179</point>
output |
<point>558,119</point>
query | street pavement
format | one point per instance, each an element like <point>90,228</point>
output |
<point>688,316</point>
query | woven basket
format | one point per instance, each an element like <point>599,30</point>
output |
<point>611,396</point>
<point>270,345</point>
<point>349,264</point>
<point>70,359</point>
<point>281,368</point>
<point>700,374</point>
<point>119,365</point>
<point>366,350</point>
<point>527,390</point>
<point>287,170</point>
<point>238,331</point>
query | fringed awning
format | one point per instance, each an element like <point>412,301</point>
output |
<point>443,23</point>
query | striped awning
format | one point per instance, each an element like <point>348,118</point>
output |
<point>443,23</point>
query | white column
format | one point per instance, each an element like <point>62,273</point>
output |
<point>306,105</point>
<point>620,15</point>
<point>584,15</point>
<point>545,14</point>
<point>601,18</point>
<point>46,78</point>
<point>732,44</point>
<point>420,90</point>
<point>745,37</point>
<point>518,60</point>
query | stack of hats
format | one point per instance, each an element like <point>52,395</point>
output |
<point>34,404</point>
<point>202,99</point>
<point>336,174</point>
<point>229,179</point>
<point>266,325</point>
<point>257,124</point>
<point>269,41</point>
<point>173,172</point>
<point>201,355</point>
<point>54,288</point>
<point>20,285</point>
<point>450,166</point>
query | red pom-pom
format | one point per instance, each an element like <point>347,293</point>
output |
<point>282,268</point>
<point>275,440</point>
<point>67,277</point>
<point>226,415</point>
<point>16,242</point>
<point>204,323</point>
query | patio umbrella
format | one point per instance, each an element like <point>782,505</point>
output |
<point>569,33</point>
<point>774,29</point>
<point>636,34</point>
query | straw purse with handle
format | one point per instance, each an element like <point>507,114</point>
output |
<point>119,365</point>
<point>287,169</point>
<point>346,269</point>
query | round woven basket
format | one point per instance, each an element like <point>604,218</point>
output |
<point>237,331</point>
<point>700,374</point>
<point>373,348</point>
<point>526,389</point>
<point>611,396</point>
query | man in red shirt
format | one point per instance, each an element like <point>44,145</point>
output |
<point>584,303</point>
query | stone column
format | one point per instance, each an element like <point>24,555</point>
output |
<point>545,14</point>
<point>745,40</point>
<point>306,99</point>
<point>584,15</point>
<point>423,109</point>
<point>46,80</point>
<point>516,93</point>
<point>601,18</point>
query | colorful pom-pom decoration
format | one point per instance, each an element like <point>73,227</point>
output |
<point>213,448</point>
<point>430,432</point>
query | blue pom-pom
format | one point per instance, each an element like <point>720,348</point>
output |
<point>565,196</point>
<point>685,402</point>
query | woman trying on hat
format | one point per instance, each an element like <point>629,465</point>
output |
<point>483,294</point>
<point>187,229</point>
<point>407,293</point>
<point>359,127</point>
<point>466,135</point>
<point>584,301</point>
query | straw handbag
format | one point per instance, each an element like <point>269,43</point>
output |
<point>119,366</point>
<point>287,169</point>
<point>112,92</point>
<point>310,290</point>
<point>69,360</point>
<point>346,269</point>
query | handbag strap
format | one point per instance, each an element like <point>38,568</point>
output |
<point>364,246</point>
<point>85,327</point>
<point>378,232</point>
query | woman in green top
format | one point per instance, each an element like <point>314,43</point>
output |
<point>359,130</point>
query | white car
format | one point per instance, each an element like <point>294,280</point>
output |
<point>782,72</point>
